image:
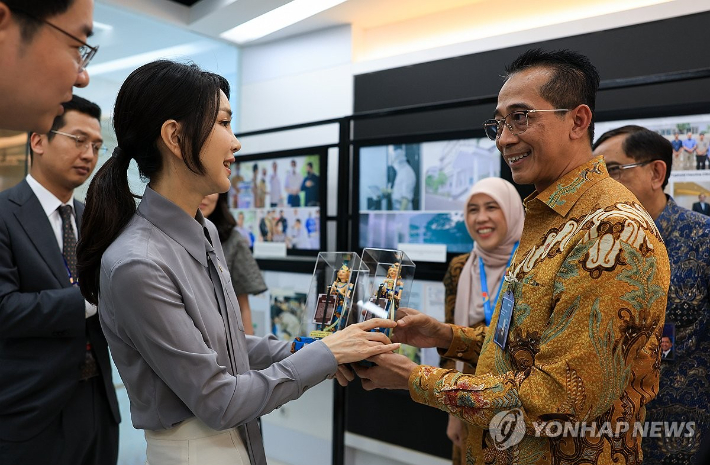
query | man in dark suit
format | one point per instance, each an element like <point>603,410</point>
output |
<point>702,206</point>
<point>310,186</point>
<point>57,401</point>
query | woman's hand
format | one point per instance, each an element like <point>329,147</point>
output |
<point>357,342</point>
<point>420,330</point>
<point>454,430</point>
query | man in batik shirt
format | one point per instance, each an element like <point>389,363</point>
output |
<point>641,160</point>
<point>587,288</point>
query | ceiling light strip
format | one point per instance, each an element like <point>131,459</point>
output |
<point>276,19</point>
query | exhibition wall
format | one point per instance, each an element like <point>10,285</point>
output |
<point>629,52</point>
<point>312,78</point>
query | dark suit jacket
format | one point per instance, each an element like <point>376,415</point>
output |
<point>43,330</point>
<point>704,211</point>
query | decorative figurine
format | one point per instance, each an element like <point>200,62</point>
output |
<point>391,290</point>
<point>329,315</point>
<point>334,287</point>
<point>387,296</point>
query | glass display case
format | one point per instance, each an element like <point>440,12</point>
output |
<point>339,279</point>
<point>387,285</point>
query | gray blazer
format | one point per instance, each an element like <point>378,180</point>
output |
<point>160,315</point>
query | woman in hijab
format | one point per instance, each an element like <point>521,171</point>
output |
<point>494,219</point>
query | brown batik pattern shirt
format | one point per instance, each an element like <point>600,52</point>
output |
<point>590,280</point>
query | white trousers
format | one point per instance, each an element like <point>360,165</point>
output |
<point>194,443</point>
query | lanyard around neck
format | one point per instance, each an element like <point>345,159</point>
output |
<point>72,280</point>
<point>487,307</point>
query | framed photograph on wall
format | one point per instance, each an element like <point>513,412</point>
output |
<point>689,135</point>
<point>410,195</point>
<point>277,199</point>
<point>689,182</point>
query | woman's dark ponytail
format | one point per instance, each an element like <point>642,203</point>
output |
<point>110,204</point>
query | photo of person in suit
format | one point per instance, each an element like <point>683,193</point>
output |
<point>666,348</point>
<point>668,342</point>
<point>293,186</point>
<point>310,186</point>
<point>701,206</point>
<point>57,401</point>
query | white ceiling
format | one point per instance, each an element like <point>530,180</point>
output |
<point>385,33</point>
<point>213,17</point>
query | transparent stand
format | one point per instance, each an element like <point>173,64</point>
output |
<point>387,284</point>
<point>336,284</point>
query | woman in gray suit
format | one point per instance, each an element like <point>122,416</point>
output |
<point>196,382</point>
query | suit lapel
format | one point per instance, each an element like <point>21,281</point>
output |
<point>79,210</point>
<point>37,227</point>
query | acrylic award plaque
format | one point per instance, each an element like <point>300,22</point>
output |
<point>387,285</point>
<point>337,283</point>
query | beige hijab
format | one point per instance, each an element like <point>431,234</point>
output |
<point>469,302</point>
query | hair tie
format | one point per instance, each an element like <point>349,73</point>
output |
<point>117,152</point>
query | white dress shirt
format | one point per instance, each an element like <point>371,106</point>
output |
<point>275,188</point>
<point>50,204</point>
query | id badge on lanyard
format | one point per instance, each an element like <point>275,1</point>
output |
<point>506,314</point>
<point>487,306</point>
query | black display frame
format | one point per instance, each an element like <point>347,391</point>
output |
<point>297,260</point>
<point>428,271</point>
<point>386,108</point>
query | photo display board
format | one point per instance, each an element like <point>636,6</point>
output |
<point>278,198</point>
<point>414,193</point>
<point>690,174</point>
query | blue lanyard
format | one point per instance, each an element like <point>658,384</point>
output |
<point>487,308</point>
<point>72,281</point>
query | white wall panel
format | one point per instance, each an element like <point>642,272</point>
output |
<point>311,96</point>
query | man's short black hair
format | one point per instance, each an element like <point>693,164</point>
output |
<point>79,104</point>
<point>76,103</point>
<point>30,13</point>
<point>574,81</point>
<point>642,144</point>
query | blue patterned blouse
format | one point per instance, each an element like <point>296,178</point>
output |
<point>684,393</point>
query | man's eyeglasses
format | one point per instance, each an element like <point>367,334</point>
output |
<point>82,143</point>
<point>616,170</point>
<point>86,51</point>
<point>516,122</point>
